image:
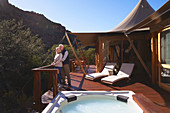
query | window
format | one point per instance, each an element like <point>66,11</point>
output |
<point>165,47</point>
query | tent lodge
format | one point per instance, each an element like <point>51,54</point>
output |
<point>143,38</point>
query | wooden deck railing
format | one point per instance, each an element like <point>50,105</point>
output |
<point>37,104</point>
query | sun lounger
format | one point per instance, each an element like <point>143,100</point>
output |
<point>124,72</point>
<point>108,67</point>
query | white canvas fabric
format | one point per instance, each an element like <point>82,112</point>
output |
<point>139,13</point>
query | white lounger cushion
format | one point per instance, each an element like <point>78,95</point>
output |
<point>108,67</point>
<point>112,78</point>
<point>124,72</point>
<point>95,75</point>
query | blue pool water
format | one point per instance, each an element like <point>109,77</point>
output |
<point>98,106</point>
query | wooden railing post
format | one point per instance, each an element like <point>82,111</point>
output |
<point>37,104</point>
<point>54,87</point>
<point>56,83</point>
<point>49,81</point>
<point>37,91</point>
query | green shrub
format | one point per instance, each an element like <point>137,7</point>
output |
<point>20,51</point>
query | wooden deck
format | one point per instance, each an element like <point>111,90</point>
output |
<point>140,84</point>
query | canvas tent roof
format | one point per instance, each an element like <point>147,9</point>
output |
<point>162,13</point>
<point>139,13</point>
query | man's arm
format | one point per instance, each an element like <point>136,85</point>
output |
<point>65,56</point>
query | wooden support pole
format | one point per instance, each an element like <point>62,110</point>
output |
<point>97,56</point>
<point>100,55</point>
<point>154,58</point>
<point>122,51</point>
<point>138,55</point>
<point>81,52</point>
<point>75,53</point>
<point>159,59</point>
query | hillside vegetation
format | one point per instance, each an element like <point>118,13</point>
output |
<point>27,40</point>
<point>50,32</point>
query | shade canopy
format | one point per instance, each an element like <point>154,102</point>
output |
<point>156,21</point>
<point>139,13</point>
<point>90,39</point>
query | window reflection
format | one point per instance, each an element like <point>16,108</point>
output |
<point>165,47</point>
<point>165,56</point>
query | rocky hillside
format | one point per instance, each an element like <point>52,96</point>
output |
<point>50,32</point>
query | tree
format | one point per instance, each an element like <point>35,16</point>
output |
<point>90,55</point>
<point>20,51</point>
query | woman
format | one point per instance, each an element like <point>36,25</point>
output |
<point>58,63</point>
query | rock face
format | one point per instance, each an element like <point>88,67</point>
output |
<point>50,32</point>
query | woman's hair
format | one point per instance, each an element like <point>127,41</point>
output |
<point>57,48</point>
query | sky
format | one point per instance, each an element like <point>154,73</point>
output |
<point>84,15</point>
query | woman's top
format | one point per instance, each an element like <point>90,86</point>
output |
<point>58,60</point>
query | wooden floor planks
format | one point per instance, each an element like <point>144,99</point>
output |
<point>140,84</point>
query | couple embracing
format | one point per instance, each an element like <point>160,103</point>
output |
<point>61,62</point>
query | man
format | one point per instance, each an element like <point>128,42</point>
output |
<point>65,71</point>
